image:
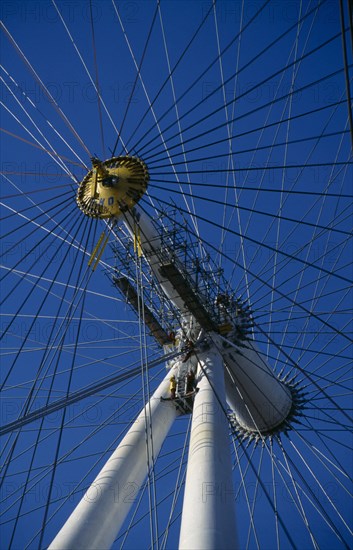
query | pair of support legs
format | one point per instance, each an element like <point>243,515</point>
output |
<point>208,519</point>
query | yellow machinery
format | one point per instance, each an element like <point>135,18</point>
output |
<point>112,186</point>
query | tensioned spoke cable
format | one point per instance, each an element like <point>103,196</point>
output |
<point>305,297</point>
<point>274,494</point>
<point>77,396</point>
<point>230,160</point>
<point>249,90</point>
<point>316,295</point>
<point>331,225</point>
<point>237,36</point>
<point>151,483</point>
<point>254,500</point>
<point>65,498</point>
<point>77,246</point>
<point>335,371</point>
<point>284,262</point>
<point>72,306</point>
<point>40,242</point>
<point>79,290</point>
<point>269,499</point>
<point>22,93</point>
<point>31,201</point>
<point>171,72</point>
<point>266,284</point>
<point>14,317</point>
<point>266,167</point>
<point>325,421</point>
<point>40,476</point>
<point>242,188</point>
<point>259,212</point>
<point>243,486</point>
<point>262,312</point>
<point>327,463</point>
<point>51,152</point>
<point>328,317</point>
<point>94,83</point>
<point>350,16</point>
<point>33,392</point>
<point>244,115</point>
<point>330,419</point>
<point>34,205</point>
<point>185,163</point>
<point>346,72</point>
<point>241,151</point>
<point>341,379</point>
<point>26,385</point>
<point>249,132</point>
<point>290,347</point>
<point>61,431</point>
<point>281,294</point>
<point>144,515</point>
<point>31,277</point>
<point>41,426</point>
<point>62,459</point>
<point>325,460</point>
<point>310,378</point>
<point>294,484</point>
<point>137,75</point>
<point>44,88</point>
<point>282,252</point>
<point>307,284</point>
<point>149,101</point>
<point>278,463</point>
<point>339,248</point>
<point>71,421</point>
<point>31,396</point>
<point>267,125</point>
<point>126,534</point>
<point>282,197</point>
<point>315,353</point>
<point>61,200</point>
<point>324,492</point>
<point>62,197</point>
<point>177,488</point>
<point>97,86</point>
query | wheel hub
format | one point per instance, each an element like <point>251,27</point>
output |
<point>112,186</point>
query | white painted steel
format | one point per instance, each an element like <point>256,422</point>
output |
<point>208,519</point>
<point>154,252</point>
<point>95,522</point>
<point>259,400</point>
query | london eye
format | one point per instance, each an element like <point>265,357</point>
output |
<point>176,274</point>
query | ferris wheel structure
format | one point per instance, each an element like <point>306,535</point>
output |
<point>177,307</point>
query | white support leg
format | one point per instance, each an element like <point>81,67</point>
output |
<point>95,522</point>
<point>208,519</point>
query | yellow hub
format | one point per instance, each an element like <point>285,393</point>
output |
<point>112,186</point>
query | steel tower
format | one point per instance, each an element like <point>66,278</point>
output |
<point>221,377</point>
